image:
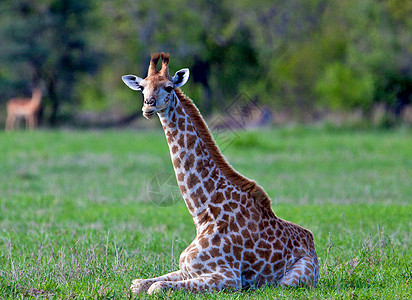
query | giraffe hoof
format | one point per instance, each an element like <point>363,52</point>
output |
<point>140,286</point>
<point>157,287</point>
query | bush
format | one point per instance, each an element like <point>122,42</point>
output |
<point>341,87</point>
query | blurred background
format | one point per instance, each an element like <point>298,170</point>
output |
<point>306,61</point>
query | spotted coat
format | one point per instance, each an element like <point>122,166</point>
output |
<point>240,243</point>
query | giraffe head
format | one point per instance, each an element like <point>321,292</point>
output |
<point>158,87</point>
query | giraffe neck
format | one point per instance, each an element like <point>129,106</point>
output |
<point>200,169</point>
<point>209,185</point>
<point>195,170</point>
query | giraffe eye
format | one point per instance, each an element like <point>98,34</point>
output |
<point>169,89</point>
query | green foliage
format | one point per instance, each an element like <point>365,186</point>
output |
<point>45,43</point>
<point>299,56</point>
<point>341,87</point>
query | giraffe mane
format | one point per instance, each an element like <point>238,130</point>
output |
<point>231,174</point>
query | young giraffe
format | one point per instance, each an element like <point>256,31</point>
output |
<point>240,242</point>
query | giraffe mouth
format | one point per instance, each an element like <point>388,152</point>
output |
<point>149,111</point>
<point>149,114</point>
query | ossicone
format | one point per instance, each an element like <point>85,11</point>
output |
<point>153,63</point>
<point>165,65</point>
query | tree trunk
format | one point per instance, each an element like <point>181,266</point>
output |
<point>54,102</point>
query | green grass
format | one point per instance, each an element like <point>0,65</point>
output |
<point>76,219</point>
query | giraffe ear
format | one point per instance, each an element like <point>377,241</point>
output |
<point>132,82</point>
<point>180,78</point>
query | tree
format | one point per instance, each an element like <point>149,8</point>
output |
<point>294,55</point>
<point>45,42</point>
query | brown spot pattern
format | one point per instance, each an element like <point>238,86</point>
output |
<point>239,239</point>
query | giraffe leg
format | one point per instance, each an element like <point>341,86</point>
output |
<point>142,285</point>
<point>305,270</point>
<point>205,282</point>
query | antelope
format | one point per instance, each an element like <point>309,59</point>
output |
<point>26,108</point>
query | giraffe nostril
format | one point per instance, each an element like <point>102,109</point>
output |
<point>151,101</point>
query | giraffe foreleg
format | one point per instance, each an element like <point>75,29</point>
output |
<point>305,271</point>
<point>142,285</point>
<point>205,282</point>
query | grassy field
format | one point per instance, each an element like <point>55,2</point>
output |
<point>78,219</point>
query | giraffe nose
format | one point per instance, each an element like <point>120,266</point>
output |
<point>151,101</point>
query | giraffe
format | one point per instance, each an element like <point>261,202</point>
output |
<point>240,243</point>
